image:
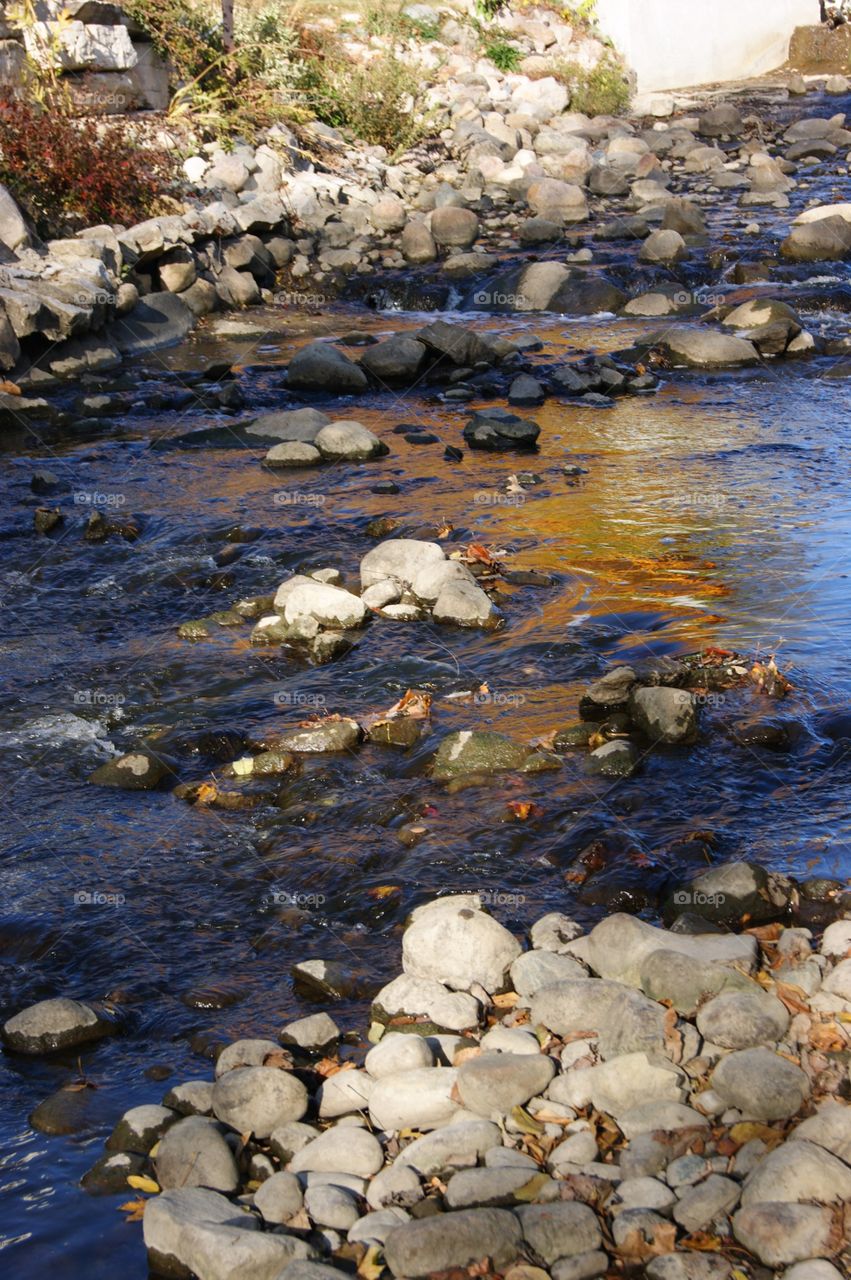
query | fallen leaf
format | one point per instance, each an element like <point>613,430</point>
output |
<point>382,891</point>
<point>139,1182</point>
<point>206,793</point>
<point>372,1263</point>
<point>10,388</point>
<point>524,809</point>
<point>135,1209</point>
<point>525,1123</point>
<point>748,1130</point>
<point>703,1242</point>
<point>330,1067</point>
<point>506,1000</point>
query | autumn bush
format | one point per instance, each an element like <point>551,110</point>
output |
<point>67,173</point>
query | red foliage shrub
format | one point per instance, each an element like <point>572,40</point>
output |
<point>67,173</point>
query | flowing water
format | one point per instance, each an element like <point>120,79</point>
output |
<point>715,512</point>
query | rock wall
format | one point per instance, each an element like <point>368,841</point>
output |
<point>671,45</point>
<point>108,64</point>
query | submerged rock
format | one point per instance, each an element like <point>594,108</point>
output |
<point>469,751</point>
<point>322,367</point>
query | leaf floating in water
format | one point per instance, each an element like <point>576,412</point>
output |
<point>382,891</point>
<point>525,809</point>
<point>135,1209</point>
<point>769,680</point>
<point>10,388</point>
<point>206,793</point>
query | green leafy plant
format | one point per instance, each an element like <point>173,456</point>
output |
<point>504,56</point>
<point>490,8</point>
<point>378,102</point>
<point>602,91</point>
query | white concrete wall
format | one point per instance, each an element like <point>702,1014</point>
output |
<point>673,44</point>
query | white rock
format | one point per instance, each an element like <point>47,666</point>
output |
<point>344,1093</point>
<point>458,946</point>
<point>398,1051</point>
<point>419,1099</point>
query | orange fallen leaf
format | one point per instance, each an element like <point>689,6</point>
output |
<point>382,891</point>
<point>10,388</point>
<point>135,1209</point>
<point>524,809</point>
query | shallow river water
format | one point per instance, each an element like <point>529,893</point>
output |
<point>713,513</point>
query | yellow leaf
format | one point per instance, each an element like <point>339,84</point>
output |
<point>139,1182</point>
<point>525,1123</point>
<point>371,1264</point>
<point>206,793</point>
<point>153,1151</point>
<point>135,1209</point>
<point>533,1188</point>
<point>382,891</point>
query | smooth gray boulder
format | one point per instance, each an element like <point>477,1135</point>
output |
<point>761,1084</point>
<point>457,1143</point>
<point>342,1149</point>
<point>399,560</point>
<point>559,1230</point>
<point>421,1099</point>
<point>193,1153</point>
<point>158,320</point>
<point>494,1083</point>
<point>436,1009</point>
<point>279,1198</point>
<point>665,715</point>
<point>743,1019</point>
<point>624,1020</point>
<point>798,1171</point>
<point>258,1099</point>
<point>439,1243</point>
<point>619,946</point>
<point>349,441</point>
<point>51,1025</point>
<point>394,361</point>
<point>322,367</point>
<point>458,947</point>
<point>190,1231</point>
<point>779,1233</point>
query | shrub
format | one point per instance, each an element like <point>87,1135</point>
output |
<point>68,173</point>
<point>377,102</point>
<point>504,56</point>
<point>603,91</point>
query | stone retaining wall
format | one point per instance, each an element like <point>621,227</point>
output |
<point>108,64</point>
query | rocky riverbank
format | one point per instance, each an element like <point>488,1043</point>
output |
<point>633,1100</point>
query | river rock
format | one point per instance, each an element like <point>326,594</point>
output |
<point>399,560</point>
<point>742,1019</point>
<point>158,320</point>
<point>689,1266</point>
<point>140,1128</point>
<point>457,1143</point>
<point>779,1233</point>
<point>289,425</point>
<point>332,1206</point>
<point>322,367</point>
<point>417,244</point>
<point>798,1171</point>
<point>554,932</point>
<point>454,228</point>
<point>337,735</point>
<point>446,1241</point>
<point>190,1231</point>
<point>629,1080</point>
<point>398,1052</point>
<point>13,228</point>
<point>557,201</point>
<point>295,455</point>
<point>108,1175</point>
<point>329,606</point>
<point>761,1084</point>
<point>687,981</point>
<point>732,892</point>
<point>459,345</point>
<point>704,348</point>
<point>719,121</point>
<point>193,1153</point>
<point>663,245</point>
<point>141,770</point>
<point>535,969</point>
<point>480,751</point>
<point>54,1024</point>
<point>434,1008</point>
<point>458,947</point>
<point>826,240</point>
<point>431,580</point>
<point>318,1033</point>
<point>830,1128</point>
<point>279,1198</point>
<point>342,1149</point>
<point>559,1230</point>
<point>838,981</point>
<point>258,1099</point>
<point>290,1138</point>
<point>665,715</point>
<point>420,1099</point>
<point>624,1020</point>
<point>619,946</point>
<point>613,760</point>
<point>344,1093</point>
<point>395,1184</point>
<point>349,441</point>
<point>471,1187</point>
<point>388,214</point>
<point>497,429</point>
<point>493,1083</point>
<point>191,1098</point>
<point>394,361</point>
<point>709,1200</point>
<point>465,605</point>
